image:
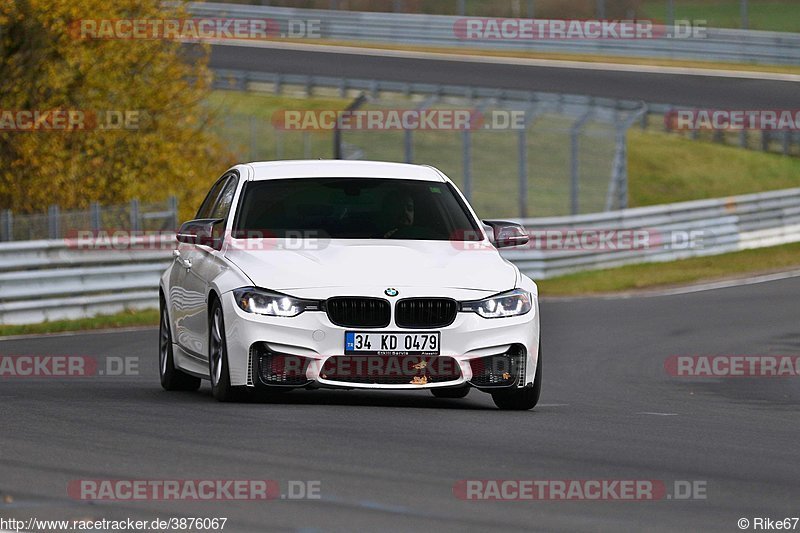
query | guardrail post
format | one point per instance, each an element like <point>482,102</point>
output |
<point>134,214</point>
<point>743,138</point>
<point>670,12</point>
<point>462,8</point>
<point>94,214</point>
<point>172,201</point>
<point>467,157</point>
<point>53,222</point>
<point>7,221</point>
<point>398,6</point>
<point>531,9</point>
<point>786,135</point>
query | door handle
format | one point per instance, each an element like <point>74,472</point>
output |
<point>185,263</point>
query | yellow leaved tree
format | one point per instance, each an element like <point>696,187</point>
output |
<point>158,85</point>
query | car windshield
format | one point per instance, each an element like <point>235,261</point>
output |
<point>353,208</point>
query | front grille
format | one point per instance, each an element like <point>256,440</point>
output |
<point>497,370</point>
<point>425,312</point>
<point>391,369</point>
<point>279,369</point>
<point>356,312</point>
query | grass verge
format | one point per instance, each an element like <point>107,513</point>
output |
<point>147,317</point>
<point>675,273</point>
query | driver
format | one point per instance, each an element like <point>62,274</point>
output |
<point>402,215</point>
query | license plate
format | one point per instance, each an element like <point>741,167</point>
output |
<point>383,343</point>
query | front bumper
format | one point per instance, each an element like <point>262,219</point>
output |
<point>311,335</point>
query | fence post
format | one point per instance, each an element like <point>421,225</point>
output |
<point>94,214</point>
<point>253,148</point>
<point>408,141</point>
<point>173,208</point>
<point>743,13</point>
<point>671,12</point>
<point>523,172</point>
<point>134,214</point>
<point>8,225</point>
<point>575,184</point>
<point>467,157</point>
<point>53,222</point>
<point>601,9</point>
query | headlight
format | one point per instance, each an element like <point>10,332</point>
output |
<point>263,302</point>
<point>512,303</point>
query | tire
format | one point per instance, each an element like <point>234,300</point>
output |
<point>218,358</point>
<point>171,378</point>
<point>521,399</point>
<point>454,393</point>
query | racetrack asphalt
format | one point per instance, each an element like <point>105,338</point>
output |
<point>708,91</point>
<point>390,460</point>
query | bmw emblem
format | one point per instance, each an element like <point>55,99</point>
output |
<point>391,292</point>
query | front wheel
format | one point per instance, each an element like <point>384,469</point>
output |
<point>171,377</point>
<point>522,399</point>
<point>218,358</point>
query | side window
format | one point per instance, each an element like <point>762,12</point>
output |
<point>211,198</point>
<point>223,205</point>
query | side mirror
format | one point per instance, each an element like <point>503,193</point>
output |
<point>507,233</point>
<point>201,231</point>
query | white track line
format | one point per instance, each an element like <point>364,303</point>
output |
<point>502,60</point>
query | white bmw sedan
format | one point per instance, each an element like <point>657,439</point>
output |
<point>349,275</point>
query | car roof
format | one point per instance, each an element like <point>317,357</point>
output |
<point>342,169</point>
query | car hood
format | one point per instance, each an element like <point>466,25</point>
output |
<point>346,263</point>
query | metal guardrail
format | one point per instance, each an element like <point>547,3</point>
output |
<point>52,280</point>
<point>59,279</point>
<point>438,30</point>
<point>670,232</point>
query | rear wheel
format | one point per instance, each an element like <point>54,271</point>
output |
<point>522,399</point>
<point>171,377</point>
<point>218,358</point>
<point>451,393</point>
